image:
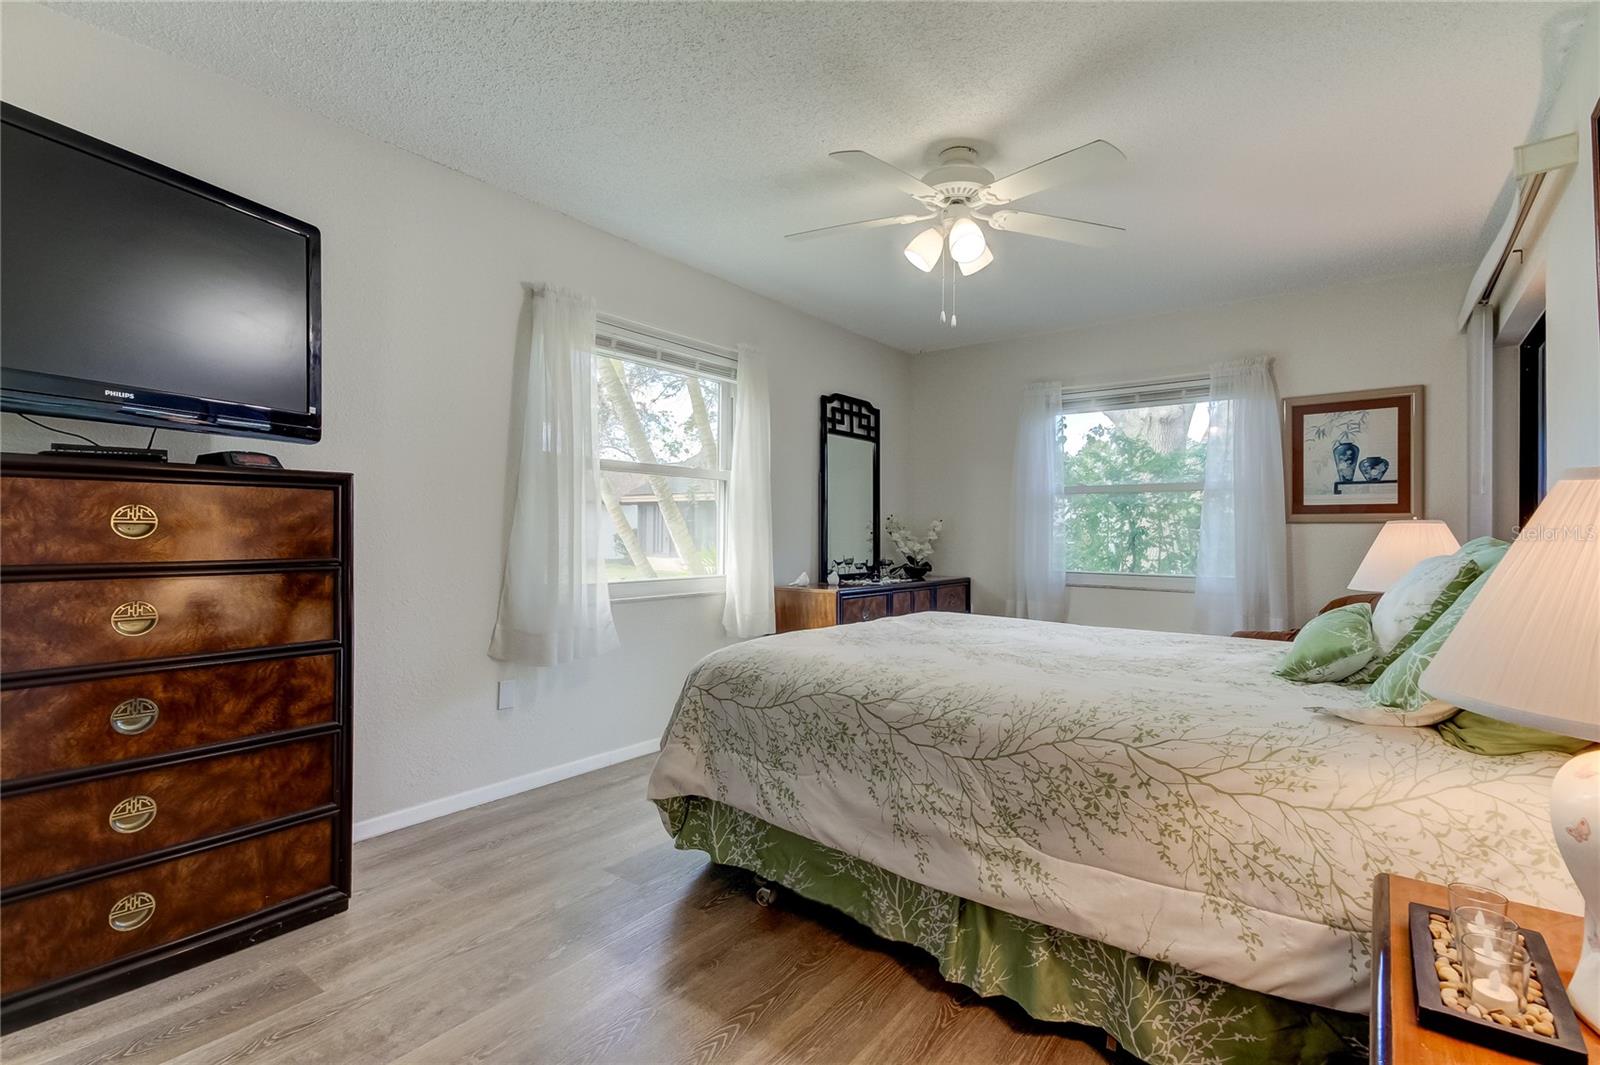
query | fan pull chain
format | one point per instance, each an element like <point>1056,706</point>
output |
<point>944,285</point>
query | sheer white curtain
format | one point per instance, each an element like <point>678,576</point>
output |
<point>554,606</point>
<point>1242,573</point>
<point>1039,576</point>
<point>748,610</point>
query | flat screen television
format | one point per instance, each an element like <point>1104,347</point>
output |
<point>132,293</point>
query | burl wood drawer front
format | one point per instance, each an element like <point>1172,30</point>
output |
<point>58,727</point>
<point>55,624</point>
<point>79,826</point>
<point>69,931</point>
<point>61,521</point>
<point>952,597</point>
<point>863,608</point>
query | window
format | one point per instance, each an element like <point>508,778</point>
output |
<point>665,409</point>
<point>1134,468</point>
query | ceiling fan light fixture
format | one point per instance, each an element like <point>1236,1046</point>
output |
<point>925,248</point>
<point>966,241</point>
<point>972,267</point>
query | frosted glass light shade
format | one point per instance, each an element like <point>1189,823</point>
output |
<point>968,269</point>
<point>925,248</point>
<point>1399,546</point>
<point>1528,648</point>
<point>966,240</point>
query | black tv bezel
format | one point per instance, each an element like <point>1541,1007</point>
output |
<point>29,392</point>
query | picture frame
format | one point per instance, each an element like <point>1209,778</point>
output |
<point>1354,456</point>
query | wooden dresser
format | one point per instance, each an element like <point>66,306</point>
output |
<point>820,605</point>
<point>174,719</point>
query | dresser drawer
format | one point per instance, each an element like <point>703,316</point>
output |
<point>56,624</point>
<point>862,608</point>
<point>57,727</point>
<point>951,597</point>
<point>63,520</point>
<point>79,826</point>
<point>63,932</point>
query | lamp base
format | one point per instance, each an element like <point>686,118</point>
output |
<point>1575,818</point>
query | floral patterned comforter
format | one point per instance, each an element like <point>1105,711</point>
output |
<point>1160,792</point>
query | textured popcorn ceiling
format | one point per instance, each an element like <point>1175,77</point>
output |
<point>1276,146</point>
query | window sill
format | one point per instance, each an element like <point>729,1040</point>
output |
<point>666,588</point>
<point>1134,582</point>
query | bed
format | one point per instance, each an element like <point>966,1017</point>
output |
<point>1146,832</point>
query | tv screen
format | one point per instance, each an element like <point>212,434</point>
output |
<point>132,293</point>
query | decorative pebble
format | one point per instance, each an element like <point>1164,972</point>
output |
<point>1544,1028</point>
<point>1473,1009</point>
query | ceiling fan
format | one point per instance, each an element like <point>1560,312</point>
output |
<point>959,197</point>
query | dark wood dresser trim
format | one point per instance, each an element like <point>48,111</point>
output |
<point>309,552</point>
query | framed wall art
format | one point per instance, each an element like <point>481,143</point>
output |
<point>1354,456</point>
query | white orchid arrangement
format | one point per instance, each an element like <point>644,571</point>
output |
<point>914,548</point>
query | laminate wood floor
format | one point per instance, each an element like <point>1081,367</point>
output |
<point>558,926</point>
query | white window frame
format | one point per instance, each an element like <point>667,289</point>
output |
<point>1190,388</point>
<point>631,342</point>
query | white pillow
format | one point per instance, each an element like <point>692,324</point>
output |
<point>1411,597</point>
<point>1429,713</point>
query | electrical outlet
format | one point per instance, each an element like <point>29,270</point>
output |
<point>506,695</point>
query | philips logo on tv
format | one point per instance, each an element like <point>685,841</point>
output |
<point>118,395</point>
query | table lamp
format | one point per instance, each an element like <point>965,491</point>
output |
<point>1399,546</point>
<point>1527,651</point>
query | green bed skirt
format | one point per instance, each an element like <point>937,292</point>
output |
<point>1159,1012</point>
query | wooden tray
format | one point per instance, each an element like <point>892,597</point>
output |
<point>1567,1047</point>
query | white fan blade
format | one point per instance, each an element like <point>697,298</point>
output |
<point>871,223</point>
<point>1092,160</point>
<point>873,167</point>
<point>1093,234</point>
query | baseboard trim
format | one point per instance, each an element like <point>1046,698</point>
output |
<point>466,800</point>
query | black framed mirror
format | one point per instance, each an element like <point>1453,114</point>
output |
<point>848,492</point>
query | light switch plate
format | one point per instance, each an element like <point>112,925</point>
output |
<point>506,695</point>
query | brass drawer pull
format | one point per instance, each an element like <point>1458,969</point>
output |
<point>134,521</point>
<point>135,618</point>
<point>133,814</point>
<point>133,716</point>
<point>132,911</point>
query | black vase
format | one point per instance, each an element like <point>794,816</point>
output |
<point>914,570</point>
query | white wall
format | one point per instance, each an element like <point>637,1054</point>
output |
<point>1393,331</point>
<point>1566,248</point>
<point>423,285</point>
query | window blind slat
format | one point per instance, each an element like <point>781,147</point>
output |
<point>1124,397</point>
<point>630,342</point>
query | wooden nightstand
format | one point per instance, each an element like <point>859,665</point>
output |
<point>1395,1035</point>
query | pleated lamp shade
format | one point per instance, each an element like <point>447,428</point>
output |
<point>1527,650</point>
<point>1399,546</point>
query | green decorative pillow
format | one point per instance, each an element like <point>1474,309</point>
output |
<point>1399,685</point>
<point>1459,577</point>
<point>1486,551</point>
<point>1331,646</point>
<point>1484,735</point>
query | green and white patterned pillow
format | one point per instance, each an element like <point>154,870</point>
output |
<point>1399,685</point>
<point>1331,646</point>
<point>1486,551</point>
<point>1446,577</point>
